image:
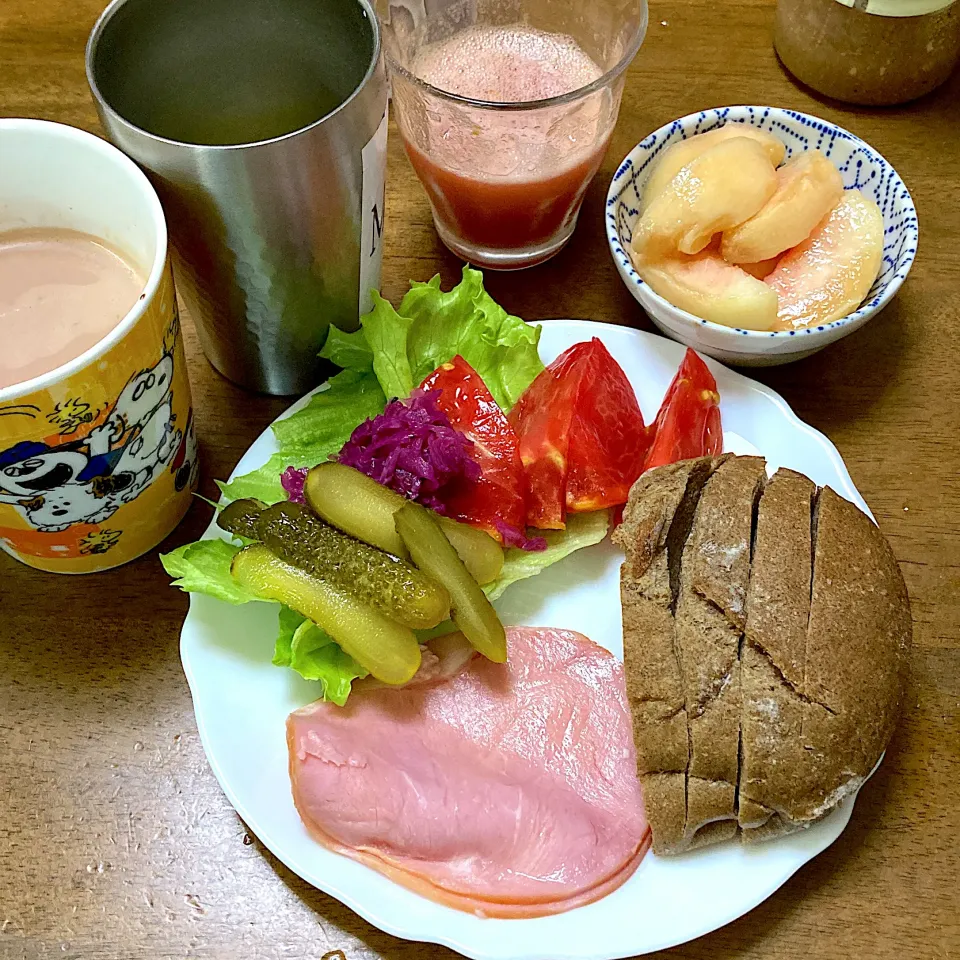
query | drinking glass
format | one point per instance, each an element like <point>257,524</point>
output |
<point>506,176</point>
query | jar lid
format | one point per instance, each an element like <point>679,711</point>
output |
<point>898,8</point>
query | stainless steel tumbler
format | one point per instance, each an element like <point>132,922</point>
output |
<point>262,125</point>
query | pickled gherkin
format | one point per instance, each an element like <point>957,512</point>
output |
<point>360,506</point>
<point>298,536</point>
<point>240,518</point>
<point>433,553</point>
<point>480,553</point>
<point>357,504</point>
<point>380,645</point>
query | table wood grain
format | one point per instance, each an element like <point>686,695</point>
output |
<point>116,842</point>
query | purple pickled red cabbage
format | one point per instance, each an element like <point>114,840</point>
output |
<point>292,480</point>
<point>412,449</point>
<point>512,537</point>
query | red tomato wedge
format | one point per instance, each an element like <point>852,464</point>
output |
<point>541,419</point>
<point>608,439</point>
<point>582,436</point>
<point>688,424</point>
<point>500,493</point>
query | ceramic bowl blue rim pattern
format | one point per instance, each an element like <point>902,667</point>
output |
<point>863,168</point>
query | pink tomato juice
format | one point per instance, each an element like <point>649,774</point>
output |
<point>508,179</point>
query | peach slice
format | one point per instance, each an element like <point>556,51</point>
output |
<point>724,186</point>
<point>708,287</point>
<point>808,188</point>
<point>760,270</point>
<point>679,154</point>
<point>828,275</point>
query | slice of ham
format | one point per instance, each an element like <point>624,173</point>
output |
<point>507,790</point>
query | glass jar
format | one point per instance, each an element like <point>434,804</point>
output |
<point>869,51</point>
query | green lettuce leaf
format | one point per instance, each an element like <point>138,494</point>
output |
<point>204,567</point>
<point>309,436</point>
<point>467,321</point>
<point>348,350</point>
<point>583,530</point>
<point>287,622</point>
<point>386,333</point>
<point>304,647</point>
<point>327,421</point>
<point>261,484</point>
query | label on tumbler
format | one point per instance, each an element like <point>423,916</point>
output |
<point>374,160</point>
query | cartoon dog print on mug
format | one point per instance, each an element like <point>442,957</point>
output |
<point>87,480</point>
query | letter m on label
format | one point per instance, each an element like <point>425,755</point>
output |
<point>377,232</point>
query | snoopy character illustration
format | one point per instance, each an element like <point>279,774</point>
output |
<point>86,481</point>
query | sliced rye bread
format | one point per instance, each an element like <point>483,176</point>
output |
<point>709,621</point>
<point>773,656</point>
<point>824,659</point>
<point>657,520</point>
<point>859,609</point>
<point>812,695</point>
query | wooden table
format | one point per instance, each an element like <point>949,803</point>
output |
<point>116,841</point>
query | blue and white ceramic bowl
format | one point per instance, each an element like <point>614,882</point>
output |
<point>861,167</point>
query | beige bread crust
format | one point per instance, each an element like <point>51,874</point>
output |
<point>665,801</point>
<point>654,680</point>
<point>654,688</point>
<point>858,642</point>
<point>652,506</point>
<point>772,827</point>
<point>810,740</point>
<point>779,593</point>
<point>709,625</point>
<point>821,637</point>
<point>774,768</point>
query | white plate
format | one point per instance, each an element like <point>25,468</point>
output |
<point>242,702</point>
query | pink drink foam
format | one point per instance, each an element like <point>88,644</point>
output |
<point>510,65</point>
<point>506,64</point>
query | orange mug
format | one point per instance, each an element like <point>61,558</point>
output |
<point>98,457</point>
